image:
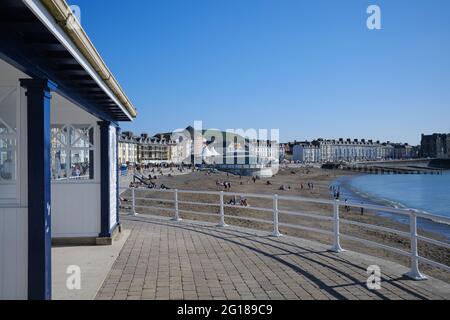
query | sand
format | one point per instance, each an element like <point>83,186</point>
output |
<point>294,178</point>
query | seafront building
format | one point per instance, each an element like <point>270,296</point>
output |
<point>128,149</point>
<point>154,151</point>
<point>60,108</point>
<point>144,150</point>
<point>188,146</point>
<point>436,145</point>
<point>348,150</point>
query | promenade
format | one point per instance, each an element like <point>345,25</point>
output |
<point>162,259</point>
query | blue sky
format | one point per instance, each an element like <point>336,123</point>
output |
<point>310,68</point>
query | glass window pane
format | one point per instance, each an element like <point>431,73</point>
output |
<point>59,136</point>
<point>59,164</point>
<point>81,136</point>
<point>72,152</point>
<point>7,160</point>
<point>81,164</point>
<point>8,143</point>
<point>8,110</point>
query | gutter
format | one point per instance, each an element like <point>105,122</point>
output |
<point>64,17</point>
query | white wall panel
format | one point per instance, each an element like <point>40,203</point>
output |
<point>75,210</point>
<point>14,215</point>
<point>13,253</point>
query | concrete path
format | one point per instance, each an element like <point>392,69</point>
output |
<point>94,263</point>
<point>196,260</point>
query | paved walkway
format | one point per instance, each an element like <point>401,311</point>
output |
<point>195,260</point>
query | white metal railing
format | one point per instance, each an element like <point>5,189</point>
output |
<point>412,235</point>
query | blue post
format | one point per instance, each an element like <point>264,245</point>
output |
<point>105,185</point>
<point>38,92</point>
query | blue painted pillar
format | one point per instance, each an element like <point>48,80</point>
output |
<point>105,168</point>
<point>39,188</point>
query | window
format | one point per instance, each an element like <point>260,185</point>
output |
<point>8,142</point>
<point>72,152</point>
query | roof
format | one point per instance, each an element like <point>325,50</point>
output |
<point>43,39</point>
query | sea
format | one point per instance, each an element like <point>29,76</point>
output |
<point>429,193</point>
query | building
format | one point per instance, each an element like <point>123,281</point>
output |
<point>265,150</point>
<point>348,150</point>
<point>403,151</point>
<point>287,151</point>
<point>436,145</point>
<point>306,152</point>
<point>60,108</point>
<point>170,148</point>
<point>152,150</point>
<point>180,145</point>
<point>128,149</point>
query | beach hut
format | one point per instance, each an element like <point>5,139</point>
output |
<point>60,109</point>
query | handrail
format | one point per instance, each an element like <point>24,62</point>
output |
<point>412,235</point>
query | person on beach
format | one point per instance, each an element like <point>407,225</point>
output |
<point>243,201</point>
<point>346,208</point>
<point>232,201</point>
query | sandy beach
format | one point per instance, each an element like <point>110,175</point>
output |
<point>292,179</point>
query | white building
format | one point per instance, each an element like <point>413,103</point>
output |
<point>128,149</point>
<point>60,109</point>
<point>306,153</point>
<point>324,151</point>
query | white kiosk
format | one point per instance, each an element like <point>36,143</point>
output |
<point>60,109</point>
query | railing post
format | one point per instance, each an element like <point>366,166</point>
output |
<point>222,223</point>
<point>414,273</point>
<point>276,232</point>
<point>177,213</point>
<point>337,236</point>
<point>133,202</point>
